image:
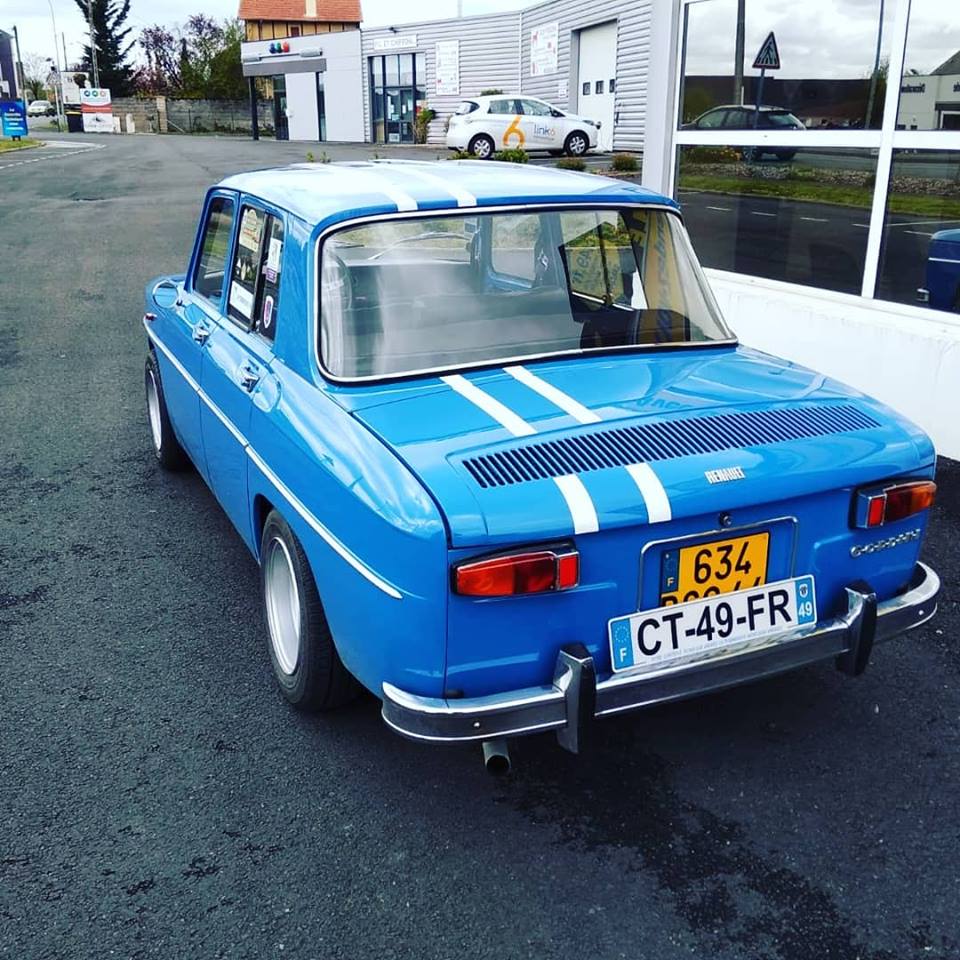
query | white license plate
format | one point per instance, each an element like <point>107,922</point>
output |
<point>652,638</point>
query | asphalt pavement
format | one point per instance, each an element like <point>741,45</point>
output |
<point>159,799</point>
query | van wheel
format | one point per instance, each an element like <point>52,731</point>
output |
<point>305,660</point>
<point>577,144</point>
<point>166,447</point>
<point>482,146</point>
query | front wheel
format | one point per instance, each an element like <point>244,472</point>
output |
<point>166,447</point>
<point>577,144</point>
<point>305,660</point>
<point>482,147</point>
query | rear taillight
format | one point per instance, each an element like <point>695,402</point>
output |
<point>875,506</point>
<point>513,574</point>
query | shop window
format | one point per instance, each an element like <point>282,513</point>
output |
<point>294,31</point>
<point>832,73</point>
<point>801,216</point>
<point>920,255</point>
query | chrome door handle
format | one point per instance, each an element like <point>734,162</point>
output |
<point>249,377</point>
<point>201,334</point>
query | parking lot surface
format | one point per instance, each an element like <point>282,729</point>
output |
<point>159,799</point>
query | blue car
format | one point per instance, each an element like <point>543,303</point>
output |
<point>942,291</point>
<point>503,463</point>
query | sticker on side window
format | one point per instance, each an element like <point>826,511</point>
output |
<point>273,255</point>
<point>250,229</point>
<point>267,321</point>
<point>241,299</point>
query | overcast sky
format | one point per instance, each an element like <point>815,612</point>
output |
<point>826,38</point>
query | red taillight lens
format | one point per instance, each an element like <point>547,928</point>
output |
<point>879,505</point>
<point>518,573</point>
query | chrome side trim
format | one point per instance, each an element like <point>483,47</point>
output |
<point>329,538</point>
<point>536,709</point>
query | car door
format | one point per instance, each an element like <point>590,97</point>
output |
<point>503,123</point>
<point>183,327</point>
<point>237,370</point>
<point>542,130</point>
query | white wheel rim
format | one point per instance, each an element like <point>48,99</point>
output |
<point>577,145</point>
<point>283,605</point>
<point>482,149</point>
<point>153,409</point>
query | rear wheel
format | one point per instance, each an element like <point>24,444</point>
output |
<point>482,146</point>
<point>577,144</point>
<point>305,660</point>
<point>166,447</point>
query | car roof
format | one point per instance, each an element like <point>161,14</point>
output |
<point>322,194</point>
<point>487,97</point>
<point>749,106</point>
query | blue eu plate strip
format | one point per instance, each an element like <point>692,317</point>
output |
<point>622,643</point>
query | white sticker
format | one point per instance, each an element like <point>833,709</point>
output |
<point>273,256</point>
<point>250,229</point>
<point>241,299</point>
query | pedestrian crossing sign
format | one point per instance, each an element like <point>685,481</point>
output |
<point>768,56</point>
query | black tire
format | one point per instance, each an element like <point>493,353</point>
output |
<point>786,155</point>
<point>482,146</point>
<point>166,447</point>
<point>315,678</point>
<point>555,153</point>
<point>576,144</point>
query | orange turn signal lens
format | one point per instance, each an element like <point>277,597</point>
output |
<point>876,506</point>
<point>514,574</point>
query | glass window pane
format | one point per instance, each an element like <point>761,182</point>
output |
<point>796,215</point>
<point>586,88</point>
<point>208,277</point>
<point>920,256</point>
<point>832,72</point>
<point>392,64</point>
<point>406,69</point>
<point>930,89</point>
<point>268,295</point>
<point>598,86</point>
<point>513,239</point>
<point>246,265</point>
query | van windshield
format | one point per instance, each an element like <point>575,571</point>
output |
<point>413,295</point>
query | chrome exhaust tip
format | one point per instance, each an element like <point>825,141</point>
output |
<point>496,757</point>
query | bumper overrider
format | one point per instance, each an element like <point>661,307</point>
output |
<point>577,696</point>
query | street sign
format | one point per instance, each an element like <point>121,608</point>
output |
<point>13,118</point>
<point>768,56</point>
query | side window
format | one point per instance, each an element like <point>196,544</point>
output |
<point>209,273</point>
<point>503,106</point>
<point>712,119</point>
<point>513,246</point>
<point>255,278</point>
<point>739,119</point>
<point>533,108</point>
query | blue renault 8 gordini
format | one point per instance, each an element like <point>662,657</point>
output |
<point>503,463</point>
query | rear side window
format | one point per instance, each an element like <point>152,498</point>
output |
<point>468,106</point>
<point>255,278</point>
<point>209,273</point>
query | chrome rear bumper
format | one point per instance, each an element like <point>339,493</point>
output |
<point>576,696</point>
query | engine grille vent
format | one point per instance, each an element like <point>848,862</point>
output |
<point>665,440</point>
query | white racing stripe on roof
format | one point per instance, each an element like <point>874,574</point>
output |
<point>463,197</point>
<point>382,184</point>
<point>480,398</point>
<point>579,503</point>
<point>652,491</point>
<point>556,396</point>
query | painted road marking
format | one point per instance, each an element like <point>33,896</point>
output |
<point>816,219</point>
<point>721,209</point>
<point>57,154</point>
<point>760,213</point>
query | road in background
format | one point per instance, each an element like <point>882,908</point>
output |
<point>159,798</point>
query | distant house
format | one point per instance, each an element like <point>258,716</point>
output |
<point>283,19</point>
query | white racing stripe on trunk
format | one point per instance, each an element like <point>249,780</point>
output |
<point>463,197</point>
<point>651,489</point>
<point>557,397</point>
<point>503,415</point>
<point>579,503</point>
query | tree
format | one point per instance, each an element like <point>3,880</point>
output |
<point>35,71</point>
<point>161,74</point>
<point>112,48</point>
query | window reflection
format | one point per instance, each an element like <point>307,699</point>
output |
<point>930,89</point>
<point>833,70</point>
<point>920,257</point>
<point>800,216</point>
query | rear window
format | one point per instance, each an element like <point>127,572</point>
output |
<point>406,296</point>
<point>780,118</point>
<point>468,106</point>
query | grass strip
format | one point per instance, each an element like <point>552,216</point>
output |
<point>7,145</point>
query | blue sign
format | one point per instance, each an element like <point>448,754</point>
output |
<point>13,118</point>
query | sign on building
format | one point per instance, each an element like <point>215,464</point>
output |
<point>399,41</point>
<point>448,68</point>
<point>543,49</point>
<point>96,109</point>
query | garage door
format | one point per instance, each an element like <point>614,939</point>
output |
<point>598,78</point>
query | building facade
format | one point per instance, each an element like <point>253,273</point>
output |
<point>587,57</point>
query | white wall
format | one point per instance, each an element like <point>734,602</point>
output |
<point>907,357</point>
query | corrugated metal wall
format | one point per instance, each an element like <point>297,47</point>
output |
<point>495,52</point>
<point>489,55</point>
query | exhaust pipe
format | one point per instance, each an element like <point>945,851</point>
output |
<point>496,757</point>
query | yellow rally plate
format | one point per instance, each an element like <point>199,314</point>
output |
<point>709,569</point>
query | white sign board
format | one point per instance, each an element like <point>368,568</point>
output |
<point>543,49</point>
<point>95,97</point>
<point>563,90</point>
<point>95,107</point>
<point>70,88</point>
<point>399,41</point>
<point>448,68</point>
